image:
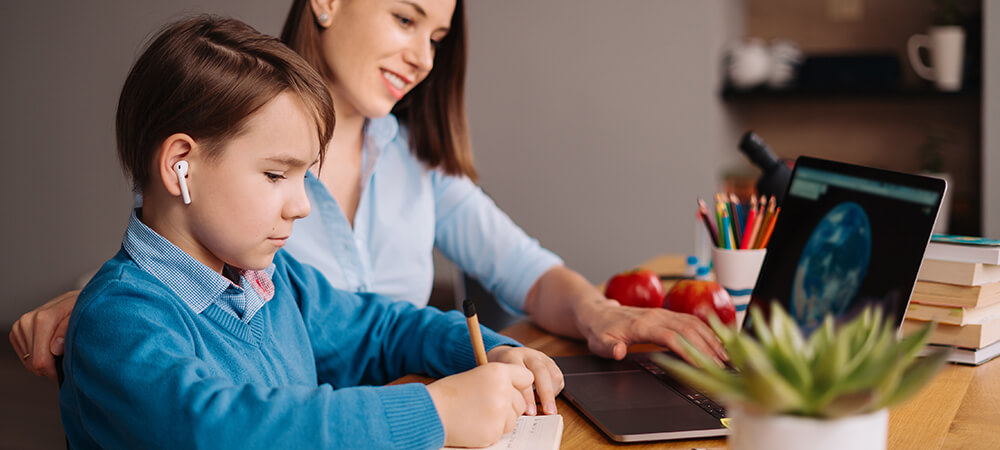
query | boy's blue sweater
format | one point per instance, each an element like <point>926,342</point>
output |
<point>144,371</point>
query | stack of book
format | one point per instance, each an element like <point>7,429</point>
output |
<point>959,287</point>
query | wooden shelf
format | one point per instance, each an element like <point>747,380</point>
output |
<point>730,94</point>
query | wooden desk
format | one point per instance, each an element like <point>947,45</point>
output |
<point>960,409</point>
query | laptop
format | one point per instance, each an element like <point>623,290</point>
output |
<point>847,236</point>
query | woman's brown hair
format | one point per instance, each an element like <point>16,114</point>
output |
<point>434,111</point>
<point>205,76</point>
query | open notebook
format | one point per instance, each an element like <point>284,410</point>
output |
<point>532,433</point>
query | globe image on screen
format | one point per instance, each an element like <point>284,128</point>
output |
<point>832,266</point>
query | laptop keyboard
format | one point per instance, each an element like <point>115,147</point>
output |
<point>693,395</point>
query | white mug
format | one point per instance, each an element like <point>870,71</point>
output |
<point>946,46</point>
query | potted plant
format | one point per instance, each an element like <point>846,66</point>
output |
<point>830,390</point>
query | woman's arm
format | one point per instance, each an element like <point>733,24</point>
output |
<point>484,242</point>
<point>563,302</point>
<point>39,335</point>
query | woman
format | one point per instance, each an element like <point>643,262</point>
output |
<point>399,180</point>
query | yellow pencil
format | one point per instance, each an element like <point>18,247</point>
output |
<point>475,334</point>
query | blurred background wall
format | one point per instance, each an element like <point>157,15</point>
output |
<point>594,125</point>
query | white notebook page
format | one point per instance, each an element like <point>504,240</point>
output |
<point>532,433</point>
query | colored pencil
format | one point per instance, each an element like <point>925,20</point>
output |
<point>703,216</point>
<point>708,227</point>
<point>755,227</point>
<point>741,211</point>
<point>733,241</point>
<point>736,207</point>
<point>741,219</point>
<point>748,225</point>
<point>770,229</point>
<point>771,205</point>
<point>729,230</point>
<point>734,214</point>
<point>720,200</point>
<point>718,222</point>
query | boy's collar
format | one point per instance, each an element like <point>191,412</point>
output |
<point>191,280</point>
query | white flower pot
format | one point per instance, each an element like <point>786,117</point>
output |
<point>776,432</point>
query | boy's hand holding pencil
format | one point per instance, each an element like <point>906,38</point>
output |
<point>548,377</point>
<point>478,406</point>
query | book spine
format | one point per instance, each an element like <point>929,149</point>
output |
<point>950,272</point>
<point>968,336</point>
<point>963,253</point>
<point>941,300</point>
<point>940,314</point>
<point>956,296</point>
<point>952,315</point>
<point>947,334</point>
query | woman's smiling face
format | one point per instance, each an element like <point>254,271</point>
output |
<point>379,50</point>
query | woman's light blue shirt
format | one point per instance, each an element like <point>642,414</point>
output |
<point>406,210</point>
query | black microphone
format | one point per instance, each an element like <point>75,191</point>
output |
<point>776,175</point>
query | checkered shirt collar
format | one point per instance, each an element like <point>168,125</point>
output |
<point>196,284</point>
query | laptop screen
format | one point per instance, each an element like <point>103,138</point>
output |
<point>847,236</point>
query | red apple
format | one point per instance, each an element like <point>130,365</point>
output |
<point>638,287</point>
<point>701,298</point>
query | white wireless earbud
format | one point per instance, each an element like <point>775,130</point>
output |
<point>182,170</point>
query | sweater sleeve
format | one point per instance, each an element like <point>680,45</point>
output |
<point>136,379</point>
<point>483,241</point>
<point>387,339</point>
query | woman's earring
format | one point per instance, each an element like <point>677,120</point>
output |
<point>323,18</point>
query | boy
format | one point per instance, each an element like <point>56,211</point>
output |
<point>201,332</point>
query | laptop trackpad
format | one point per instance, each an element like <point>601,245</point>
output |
<point>636,402</point>
<point>623,390</point>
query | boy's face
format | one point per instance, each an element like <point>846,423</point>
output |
<point>245,200</point>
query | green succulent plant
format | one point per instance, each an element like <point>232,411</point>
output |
<point>857,368</point>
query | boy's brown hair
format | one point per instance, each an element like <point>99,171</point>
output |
<point>434,111</point>
<point>205,76</point>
